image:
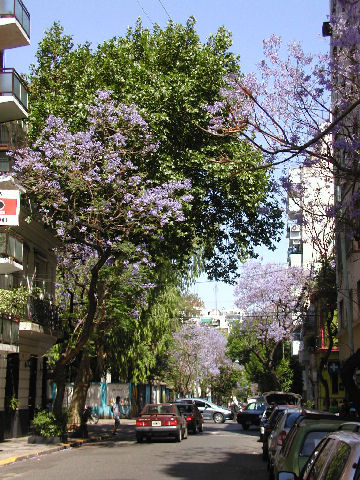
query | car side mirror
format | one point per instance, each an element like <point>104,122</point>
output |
<point>287,476</point>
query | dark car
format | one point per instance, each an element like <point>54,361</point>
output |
<point>193,416</point>
<point>160,420</point>
<point>251,414</point>
<point>209,410</point>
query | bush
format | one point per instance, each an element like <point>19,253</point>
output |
<point>46,424</point>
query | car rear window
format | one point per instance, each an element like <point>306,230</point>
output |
<point>158,409</point>
<point>319,462</point>
<point>275,417</point>
<point>311,441</point>
<point>290,419</point>
<point>337,464</point>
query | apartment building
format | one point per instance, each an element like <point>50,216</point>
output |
<point>311,239</point>
<point>28,318</point>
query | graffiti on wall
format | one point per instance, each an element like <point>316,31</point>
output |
<point>121,390</point>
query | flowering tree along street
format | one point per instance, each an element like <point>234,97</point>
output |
<point>196,357</point>
<point>169,74</point>
<point>270,296</point>
<point>297,102</point>
<point>89,191</point>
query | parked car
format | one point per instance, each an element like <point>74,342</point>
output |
<point>209,410</point>
<point>251,414</point>
<point>336,457</point>
<point>271,425</point>
<point>193,416</point>
<point>306,433</point>
<point>282,398</point>
<point>277,436</point>
<point>160,420</point>
<point>273,399</point>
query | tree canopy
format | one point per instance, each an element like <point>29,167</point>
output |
<point>169,74</point>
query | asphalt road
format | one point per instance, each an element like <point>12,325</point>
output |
<point>221,452</point>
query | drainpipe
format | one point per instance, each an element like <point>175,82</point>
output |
<point>345,278</point>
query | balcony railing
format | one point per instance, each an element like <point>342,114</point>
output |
<point>9,329</point>
<point>16,8</point>
<point>43,313</point>
<point>12,84</point>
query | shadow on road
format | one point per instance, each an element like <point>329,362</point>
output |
<point>240,466</point>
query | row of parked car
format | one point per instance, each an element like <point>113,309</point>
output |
<point>303,444</point>
<point>178,418</point>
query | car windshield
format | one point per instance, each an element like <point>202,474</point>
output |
<point>311,441</point>
<point>158,409</point>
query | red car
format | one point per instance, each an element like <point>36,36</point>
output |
<point>160,420</point>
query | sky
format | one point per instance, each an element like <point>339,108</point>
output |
<point>250,21</point>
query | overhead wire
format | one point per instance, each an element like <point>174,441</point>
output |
<point>165,10</point>
<point>145,12</point>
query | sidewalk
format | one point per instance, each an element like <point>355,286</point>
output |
<point>16,449</point>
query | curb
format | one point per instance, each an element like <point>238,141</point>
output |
<point>63,446</point>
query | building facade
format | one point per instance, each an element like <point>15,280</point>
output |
<point>29,322</point>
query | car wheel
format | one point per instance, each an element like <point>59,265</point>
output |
<point>218,418</point>
<point>139,438</point>
<point>245,426</point>
<point>178,437</point>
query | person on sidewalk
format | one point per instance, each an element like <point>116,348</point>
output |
<point>116,412</point>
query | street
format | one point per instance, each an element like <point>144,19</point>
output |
<point>220,451</point>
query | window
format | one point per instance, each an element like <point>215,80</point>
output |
<point>337,464</point>
<point>200,404</point>
<point>318,462</point>
<point>311,441</point>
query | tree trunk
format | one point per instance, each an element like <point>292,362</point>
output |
<point>60,379</point>
<point>81,387</point>
<point>80,337</point>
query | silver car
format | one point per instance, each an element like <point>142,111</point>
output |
<point>336,457</point>
<point>209,410</point>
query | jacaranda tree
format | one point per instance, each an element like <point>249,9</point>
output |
<point>270,297</point>
<point>88,190</point>
<point>195,357</point>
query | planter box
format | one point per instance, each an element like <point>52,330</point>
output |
<point>47,440</point>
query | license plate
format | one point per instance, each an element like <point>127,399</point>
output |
<point>156,423</point>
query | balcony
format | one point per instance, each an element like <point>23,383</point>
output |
<point>13,96</point>
<point>14,24</point>
<point>9,330</point>
<point>44,313</point>
<point>11,254</point>
<point>11,134</point>
<point>36,316</point>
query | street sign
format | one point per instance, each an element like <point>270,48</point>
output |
<point>9,207</point>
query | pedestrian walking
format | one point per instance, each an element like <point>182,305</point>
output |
<point>116,413</point>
